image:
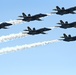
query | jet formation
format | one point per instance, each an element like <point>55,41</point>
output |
<point>66,25</point>
<point>29,18</point>
<point>62,11</point>
<point>4,25</point>
<point>59,11</point>
<point>68,38</point>
<point>38,31</point>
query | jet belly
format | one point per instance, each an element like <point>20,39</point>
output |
<point>33,32</point>
<point>70,39</point>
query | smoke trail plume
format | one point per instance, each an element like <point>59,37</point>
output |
<point>49,14</point>
<point>14,22</point>
<point>52,27</point>
<point>24,47</point>
<point>11,37</point>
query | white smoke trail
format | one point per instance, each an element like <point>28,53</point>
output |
<point>11,37</point>
<point>49,14</point>
<point>14,22</point>
<point>52,27</point>
<point>24,47</point>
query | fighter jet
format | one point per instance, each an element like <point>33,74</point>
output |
<point>32,18</point>
<point>4,25</point>
<point>62,11</point>
<point>38,31</point>
<point>68,38</point>
<point>66,25</point>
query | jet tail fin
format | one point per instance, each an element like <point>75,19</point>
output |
<point>29,29</point>
<point>23,15</point>
<point>61,22</point>
<point>64,36</point>
<point>57,8</point>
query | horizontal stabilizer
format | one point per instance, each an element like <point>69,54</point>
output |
<point>25,30</point>
<point>20,16</point>
<point>55,9</point>
<point>58,23</point>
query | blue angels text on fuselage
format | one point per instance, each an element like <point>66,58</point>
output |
<point>66,25</point>
<point>68,38</point>
<point>32,18</point>
<point>4,25</point>
<point>38,31</point>
<point>62,11</point>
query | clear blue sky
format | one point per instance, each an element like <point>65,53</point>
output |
<point>53,59</point>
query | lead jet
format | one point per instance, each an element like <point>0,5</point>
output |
<point>38,31</point>
<point>68,38</point>
<point>4,25</point>
<point>62,11</point>
<point>32,18</point>
<point>66,25</point>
